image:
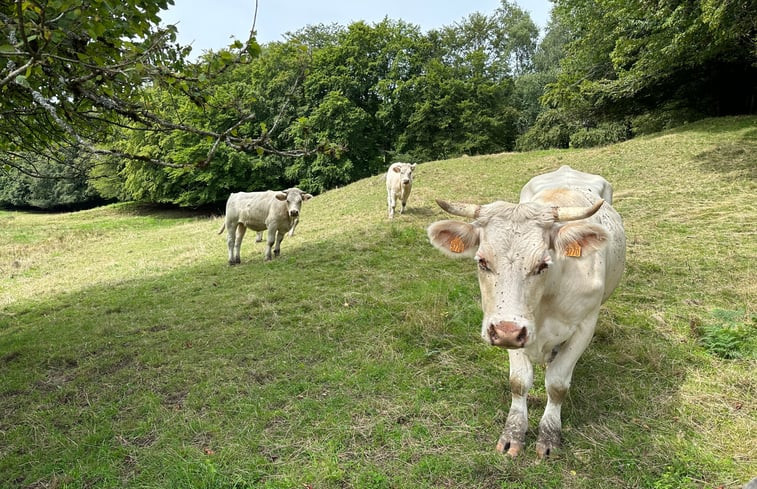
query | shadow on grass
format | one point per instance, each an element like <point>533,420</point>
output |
<point>168,211</point>
<point>735,158</point>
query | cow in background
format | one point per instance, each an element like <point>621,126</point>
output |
<point>272,211</point>
<point>545,266</point>
<point>399,182</point>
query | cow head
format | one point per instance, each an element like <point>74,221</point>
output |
<point>294,198</point>
<point>521,251</point>
<point>406,172</point>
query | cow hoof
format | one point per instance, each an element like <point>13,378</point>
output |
<point>545,450</point>
<point>509,447</point>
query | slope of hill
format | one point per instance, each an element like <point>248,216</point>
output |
<point>132,355</point>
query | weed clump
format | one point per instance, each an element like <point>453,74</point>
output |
<point>730,334</point>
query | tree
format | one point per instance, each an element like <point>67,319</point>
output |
<point>354,88</point>
<point>628,58</point>
<point>73,72</point>
<point>530,86</point>
<point>463,100</point>
<point>65,188</point>
<point>268,87</point>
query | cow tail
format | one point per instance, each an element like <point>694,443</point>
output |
<point>222,228</point>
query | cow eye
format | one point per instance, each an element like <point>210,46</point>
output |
<point>482,265</point>
<point>540,267</point>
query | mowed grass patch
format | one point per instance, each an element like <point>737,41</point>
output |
<point>133,356</point>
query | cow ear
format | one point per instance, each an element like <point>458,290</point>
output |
<point>454,238</point>
<point>576,240</point>
<point>396,169</point>
<point>306,196</point>
<point>281,196</point>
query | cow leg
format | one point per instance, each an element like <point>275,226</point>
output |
<point>279,239</point>
<point>231,231</point>
<point>269,243</point>
<point>259,237</point>
<point>239,231</point>
<point>557,380</point>
<point>391,204</point>
<point>521,379</point>
<point>404,203</point>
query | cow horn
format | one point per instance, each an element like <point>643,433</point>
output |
<point>576,213</point>
<point>459,209</point>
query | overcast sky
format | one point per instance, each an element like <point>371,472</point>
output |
<point>211,24</point>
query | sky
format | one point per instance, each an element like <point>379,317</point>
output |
<point>213,24</point>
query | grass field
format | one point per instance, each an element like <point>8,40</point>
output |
<point>133,356</point>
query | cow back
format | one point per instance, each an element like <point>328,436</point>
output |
<point>567,177</point>
<point>252,208</point>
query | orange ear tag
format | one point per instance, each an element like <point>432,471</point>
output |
<point>573,249</point>
<point>456,245</point>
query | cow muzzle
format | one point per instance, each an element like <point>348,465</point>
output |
<point>294,213</point>
<point>507,334</point>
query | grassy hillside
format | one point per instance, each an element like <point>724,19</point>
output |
<point>132,355</point>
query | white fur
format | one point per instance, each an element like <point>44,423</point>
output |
<point>276,212</point>
<point>399,182</point>
<point>557,307</point>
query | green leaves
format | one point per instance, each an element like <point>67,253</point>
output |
<point>632,58</point>
<point>730,334</point>
<point>329,106</point>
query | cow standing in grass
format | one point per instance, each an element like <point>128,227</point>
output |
<point>399,182</point>
<point>545,266</point>
<point>272,211</point>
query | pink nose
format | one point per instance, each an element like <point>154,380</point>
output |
<point>508,334</point>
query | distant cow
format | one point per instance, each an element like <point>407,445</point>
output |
<point>276,212</point>
<point>544,267</point>
<point>399,182</point>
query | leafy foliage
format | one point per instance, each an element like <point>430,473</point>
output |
<point>334,104</point>
<point>730,334</point>
<point>605,133</point>
<point>359,96</point>
<point>627,58</point>
<point>72,72</point>
<point>552,129</point>
<point>65,188</point>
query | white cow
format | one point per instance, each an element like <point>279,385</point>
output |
<point>545,266</point>
<point>276,212</point>
<point>399,182</point>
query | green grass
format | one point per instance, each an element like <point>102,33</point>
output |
<point>133,356</point>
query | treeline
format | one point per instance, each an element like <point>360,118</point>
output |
<point>333,104</point>
<point>351,100</point>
